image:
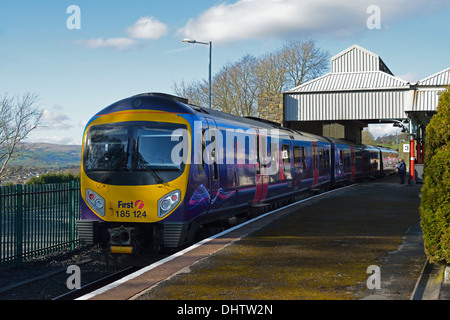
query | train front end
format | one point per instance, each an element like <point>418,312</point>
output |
<point>133,183</point>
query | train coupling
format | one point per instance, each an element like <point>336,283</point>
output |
<point>121,239</point>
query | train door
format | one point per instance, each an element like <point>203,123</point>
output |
<point>353,163</point>
<point>261,176</point>
<point>286,168</point>
<point>315,164</point>
<point>297,179</point>
<point>212,154</point>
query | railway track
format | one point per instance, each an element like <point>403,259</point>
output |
<point>46,277</point>
<point>73,295</point>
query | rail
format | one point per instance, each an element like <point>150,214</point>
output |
<point>37,219</point>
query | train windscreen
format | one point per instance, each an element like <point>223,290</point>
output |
<point>136,153</point>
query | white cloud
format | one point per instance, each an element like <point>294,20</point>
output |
<point>116,43</point>
<point>380,130</point>
<point>263,19</point>
<point>55,120</point>
<point>147,28</point>
<point>55,140</point>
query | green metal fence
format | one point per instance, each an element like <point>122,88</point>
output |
<point>37,219</point>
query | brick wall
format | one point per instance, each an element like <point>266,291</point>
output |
<point>270,107</point>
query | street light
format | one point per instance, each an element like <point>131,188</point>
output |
<point>210,59</point>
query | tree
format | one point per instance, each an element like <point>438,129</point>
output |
<point>438,130</point>
<point>48,178</point>
<point>237,85</point>
<point>270,73</point>
<point>196,92</point>
<point>367,137</point>
<point>435,203</point>
<point>303,61</point>
<point>18,117</point>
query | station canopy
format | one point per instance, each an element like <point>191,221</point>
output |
<point>360,87</point>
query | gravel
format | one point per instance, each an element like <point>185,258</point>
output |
<point>48,274</point>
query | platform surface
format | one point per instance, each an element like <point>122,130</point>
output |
<point>325,248</point>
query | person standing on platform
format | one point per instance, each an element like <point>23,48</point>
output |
<point>401,167</point>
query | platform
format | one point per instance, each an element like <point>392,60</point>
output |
<point>319,249</point>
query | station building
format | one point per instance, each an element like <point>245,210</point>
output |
<point>359,90</point>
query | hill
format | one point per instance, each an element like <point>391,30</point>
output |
<point>46,155</point>
<point>391,139</point>
<point>43,158</point>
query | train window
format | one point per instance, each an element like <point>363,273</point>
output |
<point>324,154</point>
<point>285,154</point>
<point>297,158</point>
<point>264,149</point>
<point>303,158</point>
<point>321,158</point>
<point>268,154</point>
<point>154,149</point>
<point>236,152</point>
<point>107,149</point>
<point>358,158</point>
<point>201,165</point>
<point>263,152</point>
<point>258,162</point>
<point>215,153</point>
<point>327,157</point>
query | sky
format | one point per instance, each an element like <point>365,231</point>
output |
<point>81,56</point>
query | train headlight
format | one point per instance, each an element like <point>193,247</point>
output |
<point>96,202</point>
<point>168,203</point>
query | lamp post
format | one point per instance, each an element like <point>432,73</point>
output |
<point>210,59</point>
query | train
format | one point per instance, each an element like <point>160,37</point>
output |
<point>156,170</point>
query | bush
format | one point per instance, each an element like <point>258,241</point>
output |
<point>438,131</point>
<point>435,207</point>
<point>47,178</point>
<point>435,204</point>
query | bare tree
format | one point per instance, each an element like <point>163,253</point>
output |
<point>196,92</point>
<point>270,73</point>
<point>236,86</point>
<point>18,117</point>
<point>242,85</point>
<point>367,137</point>
<point>223,96</point>
<point>303,61</point>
